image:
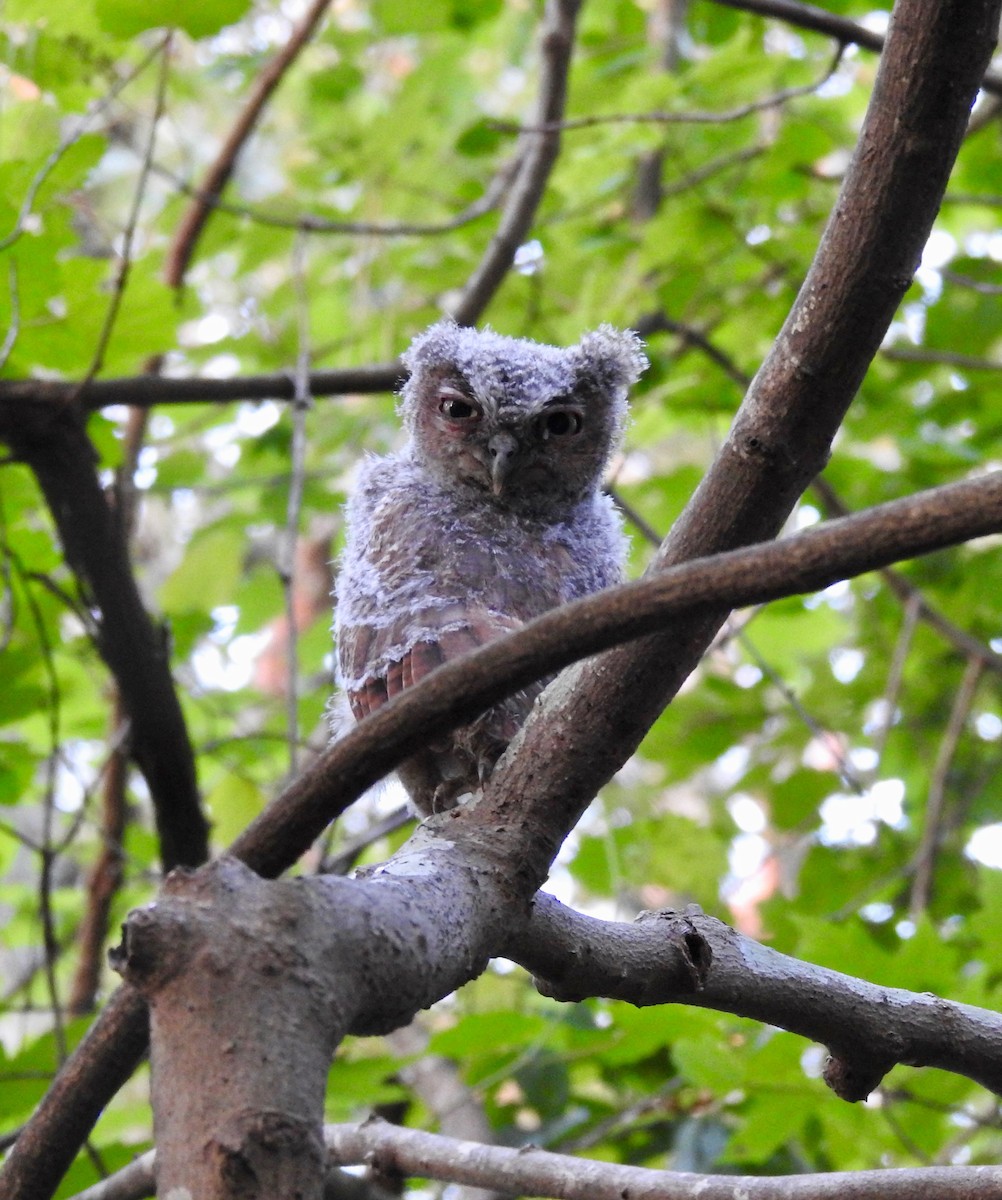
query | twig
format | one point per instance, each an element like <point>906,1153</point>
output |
<point>683,117</point>
<point>892,690</point>
<point>947,358</point>
<point>925,857</point>
<point>14,328</point>
<point>537,153</point>
<point>311,223</point>
<point>976,285</point>
<point>129,233</point>
<point>660,322</point>
<point>301,405</point>
<point>190,227</point>
<point>819,20</point>
<point>68,140</point>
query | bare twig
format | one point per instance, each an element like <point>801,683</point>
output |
<point>537,153</point>
<point>896,673</point>
<point>14,328</point>
<point>301,405</point>
<point>946,358</point>
<point>129,233</point>
<point>925,857</point>
<point>190,227</point>
<point>68,140</point>
<point>311,223</point>
<point>684,116</point>
<point>819,20</point>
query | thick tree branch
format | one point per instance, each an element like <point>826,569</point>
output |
<point>933,60</point>
<point>54,444</point>
<point>691,958</point>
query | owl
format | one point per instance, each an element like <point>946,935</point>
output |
<point>491,514</point>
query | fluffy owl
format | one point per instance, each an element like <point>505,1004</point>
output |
<point>491,514</point>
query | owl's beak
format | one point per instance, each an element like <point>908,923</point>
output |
<point>502,448</point>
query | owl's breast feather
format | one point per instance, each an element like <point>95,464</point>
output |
<point>424,560</point>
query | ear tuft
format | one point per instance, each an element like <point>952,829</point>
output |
<point>438,343</point>
<point>614,357</point>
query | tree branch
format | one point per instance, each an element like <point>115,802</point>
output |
<point>934,57</point>
<point>819,20</point>
<point>809,560</point>
<point>527,1170</point>
<point>190,227</point>
<point>537,152</point>
<point>54,444</point>
<point>692,958</point>
<point>144,391</point>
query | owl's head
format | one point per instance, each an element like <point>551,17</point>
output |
<point>529,425</point>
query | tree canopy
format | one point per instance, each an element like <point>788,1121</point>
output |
<point>220,225</point>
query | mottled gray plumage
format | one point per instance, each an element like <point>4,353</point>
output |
<point>490,515</point>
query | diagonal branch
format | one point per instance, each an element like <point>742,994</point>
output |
<point>934,57</point>
<point>190,227</point>
<point>537,153</point>
<point>807,561</point>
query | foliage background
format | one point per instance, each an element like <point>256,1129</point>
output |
<point>830,752</point>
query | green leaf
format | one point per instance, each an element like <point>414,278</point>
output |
<point>200,19</point>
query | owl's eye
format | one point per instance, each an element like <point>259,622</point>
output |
<point>456,407</point>
<point>561,422</point>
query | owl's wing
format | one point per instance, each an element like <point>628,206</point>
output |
<point>379,661</point>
